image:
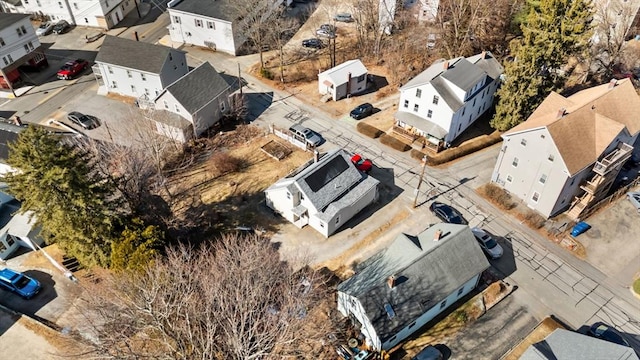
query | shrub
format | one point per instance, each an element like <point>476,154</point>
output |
<point>418,155</point>
<point>394,143</point>
<point>225,163</point>
<point>534,220</point>
<point>265,73</point>
<point>467,148</point>
<point>636,286</point>
<point>499,195</point>
<point>368,130</point>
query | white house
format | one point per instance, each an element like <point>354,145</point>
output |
<point>19,45</point>
<point>201,97</point>
<point>346,79</point>
<point>444,100</point>
<point>138,69</point>
<point>570,150</point>
<point>214,24</point>
<point>103,14</point>
<point>16,229</point>
<point>423,10</point>
<point>397,291</point>
<point>324,194</point>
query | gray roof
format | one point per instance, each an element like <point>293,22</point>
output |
<point>215,9</point>
<point>421,123</point>
<point>198,87</point>
<point>348,198</point>
<point>488,63</point>
<point>172,119</point>
<point>568,345</point>
<point>133,54</point>
<point>7,19</point>
<point>340,74</point>
<point>427,271</point>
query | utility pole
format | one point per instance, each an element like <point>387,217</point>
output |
<point>240,79</point>
<point>424,165</point>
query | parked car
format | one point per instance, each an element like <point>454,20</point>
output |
<point>362,111</point>
<point>61,27</point>
<point>362,164</point>
<point>314,43</point>
<point>488,244</point>
<point>431,41</point>
<point>634,197</point>
<point>326,30</point>
<point>19,283</point>
<point>605,332</point>
<point>72,68</point>
<point>447,214</point>
<point>328,27</point>
<point>45,28</point>
<point>87,122</point>
<point>305,134</point>
<point>343,17</point>
<point>428,353</point>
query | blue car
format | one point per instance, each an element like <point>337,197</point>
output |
<point>19,283</point>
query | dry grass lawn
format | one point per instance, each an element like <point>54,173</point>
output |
<point>546,327</point>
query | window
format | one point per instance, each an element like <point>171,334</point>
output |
<point>86,20</point>
<point>337,219</point>
<point>133,88</point>
<point>166,106</point>
<point>543,179</point>
<point>406,102</point>
<point>9,58</point>
<point>143,77</point>
<point>361,78</point>
<point>515,162</point>
<point>26,1</point>
<point>4,58</point>
<point>129,75</point>
<point>509,178</point>
<point>288,193</point>
<point>110,69</point>
<point>322,225</point>
<point>146,91</point>
<point>19,31</point>
<point>463,109</point>
<point>301,197</point>
<point>26,48</point>
<point>535,197</point>
<point>418,93</point>
<point>114,84</point>
<point>198,22</point>
<point>542,136</point>
<point>416,107</point>
<point>170,57</point>
<point>429,114</point>
<point>176,19</point>
<point>60,4</point>
<point>106,3</point>
<point>75,6</point>
<point>435,99</point>
<point>2,42</point>
<point>412,325</point>
<point>474,102</point>
<point>550,158</point>
<point>523,142</point>
<point>572,181</point>
<point>443,304</point>
<point>38,3</point>
<point>460,291</point>
<point>211,25</point>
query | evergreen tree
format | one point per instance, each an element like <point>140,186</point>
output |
<point>554,31</point>
<point>137,247</point>
<point>72,201</point>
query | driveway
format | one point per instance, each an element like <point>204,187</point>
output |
<point>19,341</point>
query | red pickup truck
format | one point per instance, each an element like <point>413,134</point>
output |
<point>72,68</point>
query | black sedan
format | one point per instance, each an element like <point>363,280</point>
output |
<point>61,27</point>
<point>605,332</point>
<point>447,214</point>
<point>362,111</point>
<point>314,43</point>
<point>87,122</point>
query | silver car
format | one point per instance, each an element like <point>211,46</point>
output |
<point>488,244</point>
<point>305,134</point>
<point>45,28</point>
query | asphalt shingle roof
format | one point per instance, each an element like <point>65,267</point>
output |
<point>568,345</point>
<point>427,271</point>
<point>197,88</point>
<point>10,19</point>
<point>340,73</point>
<point>215,9</point>
<point>133,54</point>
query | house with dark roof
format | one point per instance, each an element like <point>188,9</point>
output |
<point>348,78</point>
<point>563,344</point>
<point>220,25</point>
<point>568,153</point>
<point>200,97</point>
<point>324,193</point>
<point>137,69</point>
<point>16,229</point>
<point>444,100</point>
<point>400,289</point>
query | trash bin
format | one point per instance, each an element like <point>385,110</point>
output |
<point>579,228</point>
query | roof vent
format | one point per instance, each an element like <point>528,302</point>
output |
<point>612,83</point>
<point>391,281</point>
<point>437,235</point>
<point>561,113</point>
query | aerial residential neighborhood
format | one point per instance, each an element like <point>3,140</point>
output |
<point>320,179</point>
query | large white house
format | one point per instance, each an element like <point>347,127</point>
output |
<point>570,150</point>
<point>324,194</point>
<point>200,97</point>
<point>346,79</point>
<point>19,45</point>
<point>220,25</point>
<point>103,14</point>
<point>138,69</point>
<point>397,291</point>
<point>444,100</point>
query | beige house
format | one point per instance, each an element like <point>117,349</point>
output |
<point>570,150</point>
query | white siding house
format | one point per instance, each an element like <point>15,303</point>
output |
<point>103,14</point>
<point>344,80</point>
<point>212,24</point>
<point>324,194</point>
<point>444,100</point>
<point>138,69</point>
<point>19,45</point>
<point>570,147</point>
<point>397,291</point>
<point>17,229</point>
<point>201,98</point>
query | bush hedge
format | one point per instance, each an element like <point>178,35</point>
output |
<point>534,220</point>
<point>394,143</point>
<point>499,195</point>
<point>368,130</point>
<point>467,148</point>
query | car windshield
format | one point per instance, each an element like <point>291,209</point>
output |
<point>21,282</point>
<point>490,243</point>
<point>44,26</point>
<point>66,67</point>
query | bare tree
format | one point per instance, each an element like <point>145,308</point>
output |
<point>456,19</point>
<point>611,20</point>
<point>370,33</point>
<point>230,299</point>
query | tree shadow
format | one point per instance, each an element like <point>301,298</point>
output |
<point>31,306</point>
<point>258,103</point>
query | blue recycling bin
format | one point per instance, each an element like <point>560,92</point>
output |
<point>579,228</point>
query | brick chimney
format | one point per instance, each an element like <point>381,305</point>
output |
<point>437,235</point>
<point>561,113</point>
<point>391,281</point>
<point>484,55</point>
<point>445,65</point>
<point>349,83</point>
<point>612,84</point>
<point>316,155</point>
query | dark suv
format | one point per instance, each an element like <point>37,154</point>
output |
<point>61,27</point>
<point>362,111</point>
